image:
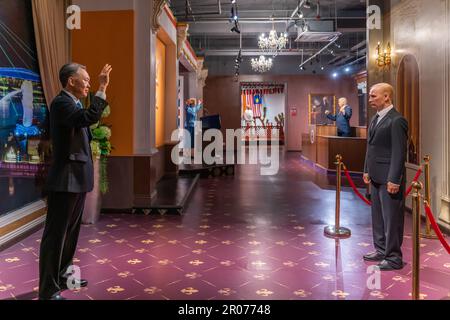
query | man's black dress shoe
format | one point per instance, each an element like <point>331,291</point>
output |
<point>386,266</point>
<point>82,283</point>
<point>56,296</point>
<point>374,256</point>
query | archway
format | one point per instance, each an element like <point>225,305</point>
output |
<point>408,103</point>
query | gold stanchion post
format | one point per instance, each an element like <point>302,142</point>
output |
<point>428,234</point>
<point>336,231</point>
<point>416,241</point>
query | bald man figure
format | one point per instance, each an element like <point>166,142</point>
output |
<point>384,169</point>
<point>342,118</point>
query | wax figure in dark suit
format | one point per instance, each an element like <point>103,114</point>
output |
<point>70,176</point>
<point>384,169</point>
<point>342,118</point>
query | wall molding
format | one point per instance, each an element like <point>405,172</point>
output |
<point>182,33</point>
<point>21,217</point>
<point>21,213</point>
<point>158,6</point>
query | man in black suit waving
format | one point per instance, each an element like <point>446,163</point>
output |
<point>384,169</point>
<point>70,176</point>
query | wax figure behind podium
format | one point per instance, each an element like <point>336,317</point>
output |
<point>342,118</point>
<point>384,169</point>
<point>70,176</point>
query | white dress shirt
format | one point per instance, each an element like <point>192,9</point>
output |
<point>383,113</point>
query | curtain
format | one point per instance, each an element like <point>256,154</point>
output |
<point>52,42</point>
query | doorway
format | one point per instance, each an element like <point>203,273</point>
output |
<point>408,104</point>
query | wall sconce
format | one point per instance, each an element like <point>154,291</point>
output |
<point>383,56</point>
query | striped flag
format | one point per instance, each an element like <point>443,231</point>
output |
<point>248,98</point>
<point>256,106</point>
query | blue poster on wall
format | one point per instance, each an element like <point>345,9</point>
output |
<point>23,109</point>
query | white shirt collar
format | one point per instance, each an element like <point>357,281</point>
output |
<point>384,112</point>
<point>72,96</point>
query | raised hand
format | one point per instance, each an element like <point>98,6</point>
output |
<point>103,78</point>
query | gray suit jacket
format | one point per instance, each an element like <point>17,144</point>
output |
<point>386,149</point>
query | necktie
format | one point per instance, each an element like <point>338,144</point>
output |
<point>374,124</point>
<point>79,105</point>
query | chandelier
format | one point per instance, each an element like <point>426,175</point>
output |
<point>262,64</point>
<point>273,43</point>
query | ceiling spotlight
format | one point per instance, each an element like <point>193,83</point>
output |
<point>236,27</point>
<point>347,69</point>
<point>233,1</point>
<point>322,68</point>
<point>238,59</point>
<point>334,74</point>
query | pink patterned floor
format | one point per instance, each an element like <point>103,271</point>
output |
<point>246,237</point>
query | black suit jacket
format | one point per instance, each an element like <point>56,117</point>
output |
<point>386,149</point>
<point>71,169</point>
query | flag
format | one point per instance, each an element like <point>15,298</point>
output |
<point>257,103</point>
<point>243,101</point>
<point>247,98</point>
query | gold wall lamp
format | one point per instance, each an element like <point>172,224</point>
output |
<point>383,57</point>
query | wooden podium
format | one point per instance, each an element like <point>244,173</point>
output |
<point>321,145</point>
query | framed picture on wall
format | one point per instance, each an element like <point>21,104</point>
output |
<point>318,104</point>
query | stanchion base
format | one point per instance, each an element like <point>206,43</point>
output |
<point>430,235</point>
<point>341,233</point>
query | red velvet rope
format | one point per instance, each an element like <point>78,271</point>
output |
<point>418,173</point>
<point>427,207</point>
<point>352,184</point>
<point>436,228</point>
